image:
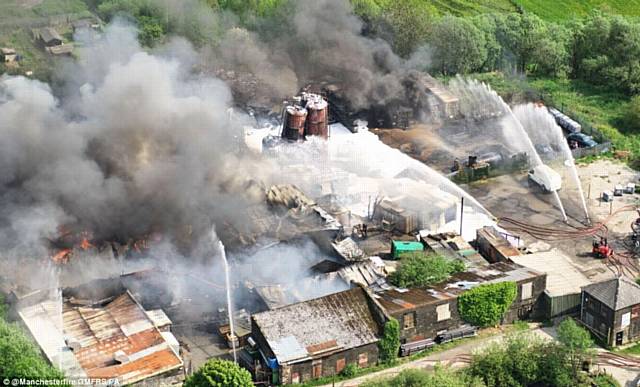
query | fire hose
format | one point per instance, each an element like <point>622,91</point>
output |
<point>620,263</point>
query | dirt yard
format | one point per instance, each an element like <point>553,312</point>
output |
<point>510,196</point>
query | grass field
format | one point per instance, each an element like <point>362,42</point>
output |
<point>17,17</point>
<point>471,7</point>
<point>554,10</point>
<point>568,9</point>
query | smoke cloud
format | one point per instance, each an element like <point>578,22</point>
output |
<point>139,145</point>
<point>319,41</point>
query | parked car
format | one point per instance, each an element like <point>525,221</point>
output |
<point>582,140</point>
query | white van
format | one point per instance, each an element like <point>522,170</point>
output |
<point>546,178</point>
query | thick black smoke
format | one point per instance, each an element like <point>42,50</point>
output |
<point>141,146</point>
<point>320,40</point>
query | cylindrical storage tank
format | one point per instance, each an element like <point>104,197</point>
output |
<point>294,122</point>
<point>318,117</point>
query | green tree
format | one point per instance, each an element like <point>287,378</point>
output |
<point>410,21</point>
<point>20,358</point>
<point>550,56</point>
<point>389,344</point>
<point>151,31</point>
<point>576,342</point>
<point>219,373</point>
<point>485,305</point>
<point>487,26</point>
<point>525,360</point>
<point>458,46</point>
<point>511,363</point>
<point>521,35</point>
<point>420,269</point>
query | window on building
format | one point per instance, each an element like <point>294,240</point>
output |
<point>526,290</point>
<point>317,369</point>
<point>443,312</point>
<point>295,378</point>
<point>588,319</point>
<point>409,320</point>
<point>340,364</point>
<point>363,359</point>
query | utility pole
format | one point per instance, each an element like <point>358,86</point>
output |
<point>461,213</point>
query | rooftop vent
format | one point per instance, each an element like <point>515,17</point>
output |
<point>72,343</point>
<point>120,357</point>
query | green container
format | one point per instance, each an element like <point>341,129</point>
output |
<point>398,248</point>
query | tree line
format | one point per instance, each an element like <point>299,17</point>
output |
<point>520,360</point>
<point>601,49</point>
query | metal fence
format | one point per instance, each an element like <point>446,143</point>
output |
<point>596,150</point>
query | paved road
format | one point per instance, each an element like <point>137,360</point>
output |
<point>625,369</point>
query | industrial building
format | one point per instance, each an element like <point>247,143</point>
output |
<point>315,338</point>
<point>611,310</point>
<point>424,313</point>
<point>564,281</point>
<point>110,338</point>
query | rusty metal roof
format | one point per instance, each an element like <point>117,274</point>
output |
<point>121,325</point>
<point>497,241</point>
<point>398,300</point>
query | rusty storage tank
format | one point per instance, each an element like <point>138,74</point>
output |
<point>294,122</point>
<point>318,118</point>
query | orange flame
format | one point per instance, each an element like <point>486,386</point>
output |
<point>85,244</point>
<point>62,256</point>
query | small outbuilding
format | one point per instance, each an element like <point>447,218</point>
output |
<point>48,36</point>
<point>611,310</point>
<point>9,55</point>
<point>564,281</point>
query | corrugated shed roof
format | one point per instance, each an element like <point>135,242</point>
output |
<point>397,300</point>
<point>338,321</point>
<point>562,276</point>
<point>48,34</point>
<point>618,293</point>
<point>101,331</point>
<point>497,241</point>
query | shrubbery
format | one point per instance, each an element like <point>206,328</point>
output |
<point>389,344</point>
<point>19,356</point>
<point>485,305</point>
<point>420,269</point>
<point>526,360</point>
<point>219,373</point>
<point>440,377</point>
<point>350,370</point>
